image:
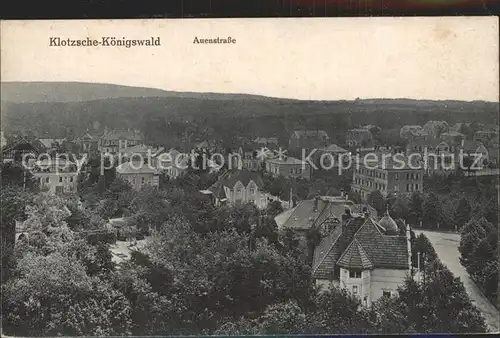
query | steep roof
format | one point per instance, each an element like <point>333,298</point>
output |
<point>384,251</point>
<point>230,177</point>
<point>333,148</point>
<point>306,215</point>
<point>355,257</point>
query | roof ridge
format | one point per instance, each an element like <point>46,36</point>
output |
<point>362,250</point>
<point>327,253</point>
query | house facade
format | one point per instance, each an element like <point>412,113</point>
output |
<point>138,174</point>
<point>172,164</point>
<point>388,176</point>
<point>288,167</point>
<point>368,257</point>
<point>239,187</point>
<point>308,139</point>
<point>56,176</point>
<point>117,141</point>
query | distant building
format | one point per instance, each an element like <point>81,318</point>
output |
<point>368,257</point>
<point>359,137</point>
<point>3,140</point>
<point>320,212</point>
<point>288,167</point>
<point>89,142</point>
<point>172,164</point>
<point>308,139</point>
<point>141,151</point>
<point>239,187</point>
<point>117,141</point>
<point>389,173</point>
<point>138,174</point>
<point>56,176</point>
<point>332,156</point>
<point>20,147</point>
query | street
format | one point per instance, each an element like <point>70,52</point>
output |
<point>446,246</point>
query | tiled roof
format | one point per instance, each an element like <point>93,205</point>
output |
<point>383,251</point>
<point>355,257</point>
<point>333,148</point>
<point>47,142</point>
<point>304,215</point>
<point>287,160</point>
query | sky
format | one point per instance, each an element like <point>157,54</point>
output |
<point>303,58</point>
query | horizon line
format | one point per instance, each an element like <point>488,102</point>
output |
<point>223,93</point>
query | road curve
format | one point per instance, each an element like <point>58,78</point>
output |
<point>446,246</point>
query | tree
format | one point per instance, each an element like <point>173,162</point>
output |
<point>463,212</point>
<point>377,201</point>
<point>415,207</point>
<point>55,296</point>
<point>283,318</point>
<point>399,208</point>
<point>431,211</point>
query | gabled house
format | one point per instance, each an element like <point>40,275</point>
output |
<point>331,156</point>
<point>138,174</point>
<point>19,148</point>
<point>239,187</point>
<point>308,139</point>
<point>89,142</point>
<point>117,141</point>
<point>56,175</point>
<point>288,167</point>
<point>368,257</point>
<point>172,164</point>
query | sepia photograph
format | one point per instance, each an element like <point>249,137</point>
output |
<point>220,177</point>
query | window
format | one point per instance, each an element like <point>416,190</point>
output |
<point>143,180</point>
<point>354,274</point>
<point>47,180</point>
<point>396,177</point>
<point>407,187</point>
<point>365,300</point>
<point>386,293</point>
<point>60,179</point>
<point>71,179</point>
<point>416,187</point>
<point>133,180</point>
<point>354,289</point>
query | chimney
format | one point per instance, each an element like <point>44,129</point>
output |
<point>346,215</point>
<point>316,200</point>
<point>366,212</point>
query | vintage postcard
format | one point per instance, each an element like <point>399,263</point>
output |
<point>250,176</point>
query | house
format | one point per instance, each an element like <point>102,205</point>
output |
<point>308,139</point>
<point>89,142</point>
<point>435,128</point>
<point>368,257</point>
<point>413,133</point>
<point>389,173</point>
<point>288,167</point>
<point>331,156</point>
<point>138,174</point>
<point>21,148</point>
<point>320,213</point>
<point>172,164</point>
<point>239,187</point>
<point>117,141</point>
<point>141,151</point>
<point>56,175</point>
<point>52,145</point>
<point>359,137</point>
